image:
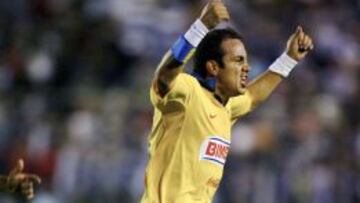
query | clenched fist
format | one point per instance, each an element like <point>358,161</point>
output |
<point>214,13</point>
<point>21,182</point>
<point>299,44</point>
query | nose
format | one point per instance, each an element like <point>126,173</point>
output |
<point>246,68</point>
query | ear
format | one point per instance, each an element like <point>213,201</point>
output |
<point>212,68</point>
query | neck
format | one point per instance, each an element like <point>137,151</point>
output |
<point>220,96</point>
<point>210,84</point>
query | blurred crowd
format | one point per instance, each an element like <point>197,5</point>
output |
<point>74,85</point>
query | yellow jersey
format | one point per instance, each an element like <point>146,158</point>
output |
<point>189,142</point>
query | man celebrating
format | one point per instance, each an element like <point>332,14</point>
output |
<point>19,182</point>
<point>193,114</point>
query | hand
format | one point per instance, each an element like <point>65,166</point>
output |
<point>23,183</point>
<point>299,44</point>
<point>214,13</point>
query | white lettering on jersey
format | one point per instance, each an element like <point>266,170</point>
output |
<point>215,149</point>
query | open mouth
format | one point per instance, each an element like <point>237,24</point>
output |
<point>243,81</point>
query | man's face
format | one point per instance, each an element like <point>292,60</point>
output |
<point>231,78</point>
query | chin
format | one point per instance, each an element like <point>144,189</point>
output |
<point>238,92</point>
<point>241,91</point>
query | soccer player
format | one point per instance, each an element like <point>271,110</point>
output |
<point>19,182</point>
<point>193,113</point>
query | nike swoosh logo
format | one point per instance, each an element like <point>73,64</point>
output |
<point>212,115</point>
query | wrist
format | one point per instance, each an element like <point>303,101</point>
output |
<point>283,65</point>
<point>196,33</point>
<point>292,55</point>
<point>184,46</point>
<point>208,24</point>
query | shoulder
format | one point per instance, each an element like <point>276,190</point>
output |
<point>185,86</point>
<point>240,105</point>
<point>188,81</point>
<point>188,77</point>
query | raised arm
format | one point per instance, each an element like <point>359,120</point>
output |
<point>19,182</point>
<point>171,64</point>
<point>298,46</point>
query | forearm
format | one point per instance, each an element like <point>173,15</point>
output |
<point>178,55</point>
<point>166,72</point>
<point>298,46</point>
<point>261,88</point>
<point>171,65</point>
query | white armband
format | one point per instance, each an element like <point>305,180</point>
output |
<point>196,33</point>
<point>184,46</point>
<point>283,65</point>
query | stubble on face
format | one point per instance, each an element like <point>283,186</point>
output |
<point>235,70</point>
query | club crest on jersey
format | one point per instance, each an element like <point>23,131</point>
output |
<point>215,149</point>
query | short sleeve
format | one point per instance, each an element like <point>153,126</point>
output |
<point>176,98</point>
<point>240,105</point>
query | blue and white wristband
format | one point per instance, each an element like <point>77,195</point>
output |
<point>196,33</point>
<point>283,65</point>
<point>186,43</point>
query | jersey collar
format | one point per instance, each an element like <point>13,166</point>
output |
<point>209,83</point>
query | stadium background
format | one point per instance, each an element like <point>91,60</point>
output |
<point>74,80</point>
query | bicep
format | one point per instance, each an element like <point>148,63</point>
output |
<point>261,88</point>
<point>166,72</point>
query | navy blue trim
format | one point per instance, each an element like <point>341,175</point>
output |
<point>181,49</point>
<point>211,159</point>
<point>209,82</point>
<point>217,139</point>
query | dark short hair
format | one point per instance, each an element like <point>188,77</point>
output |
<point>210,48</point>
